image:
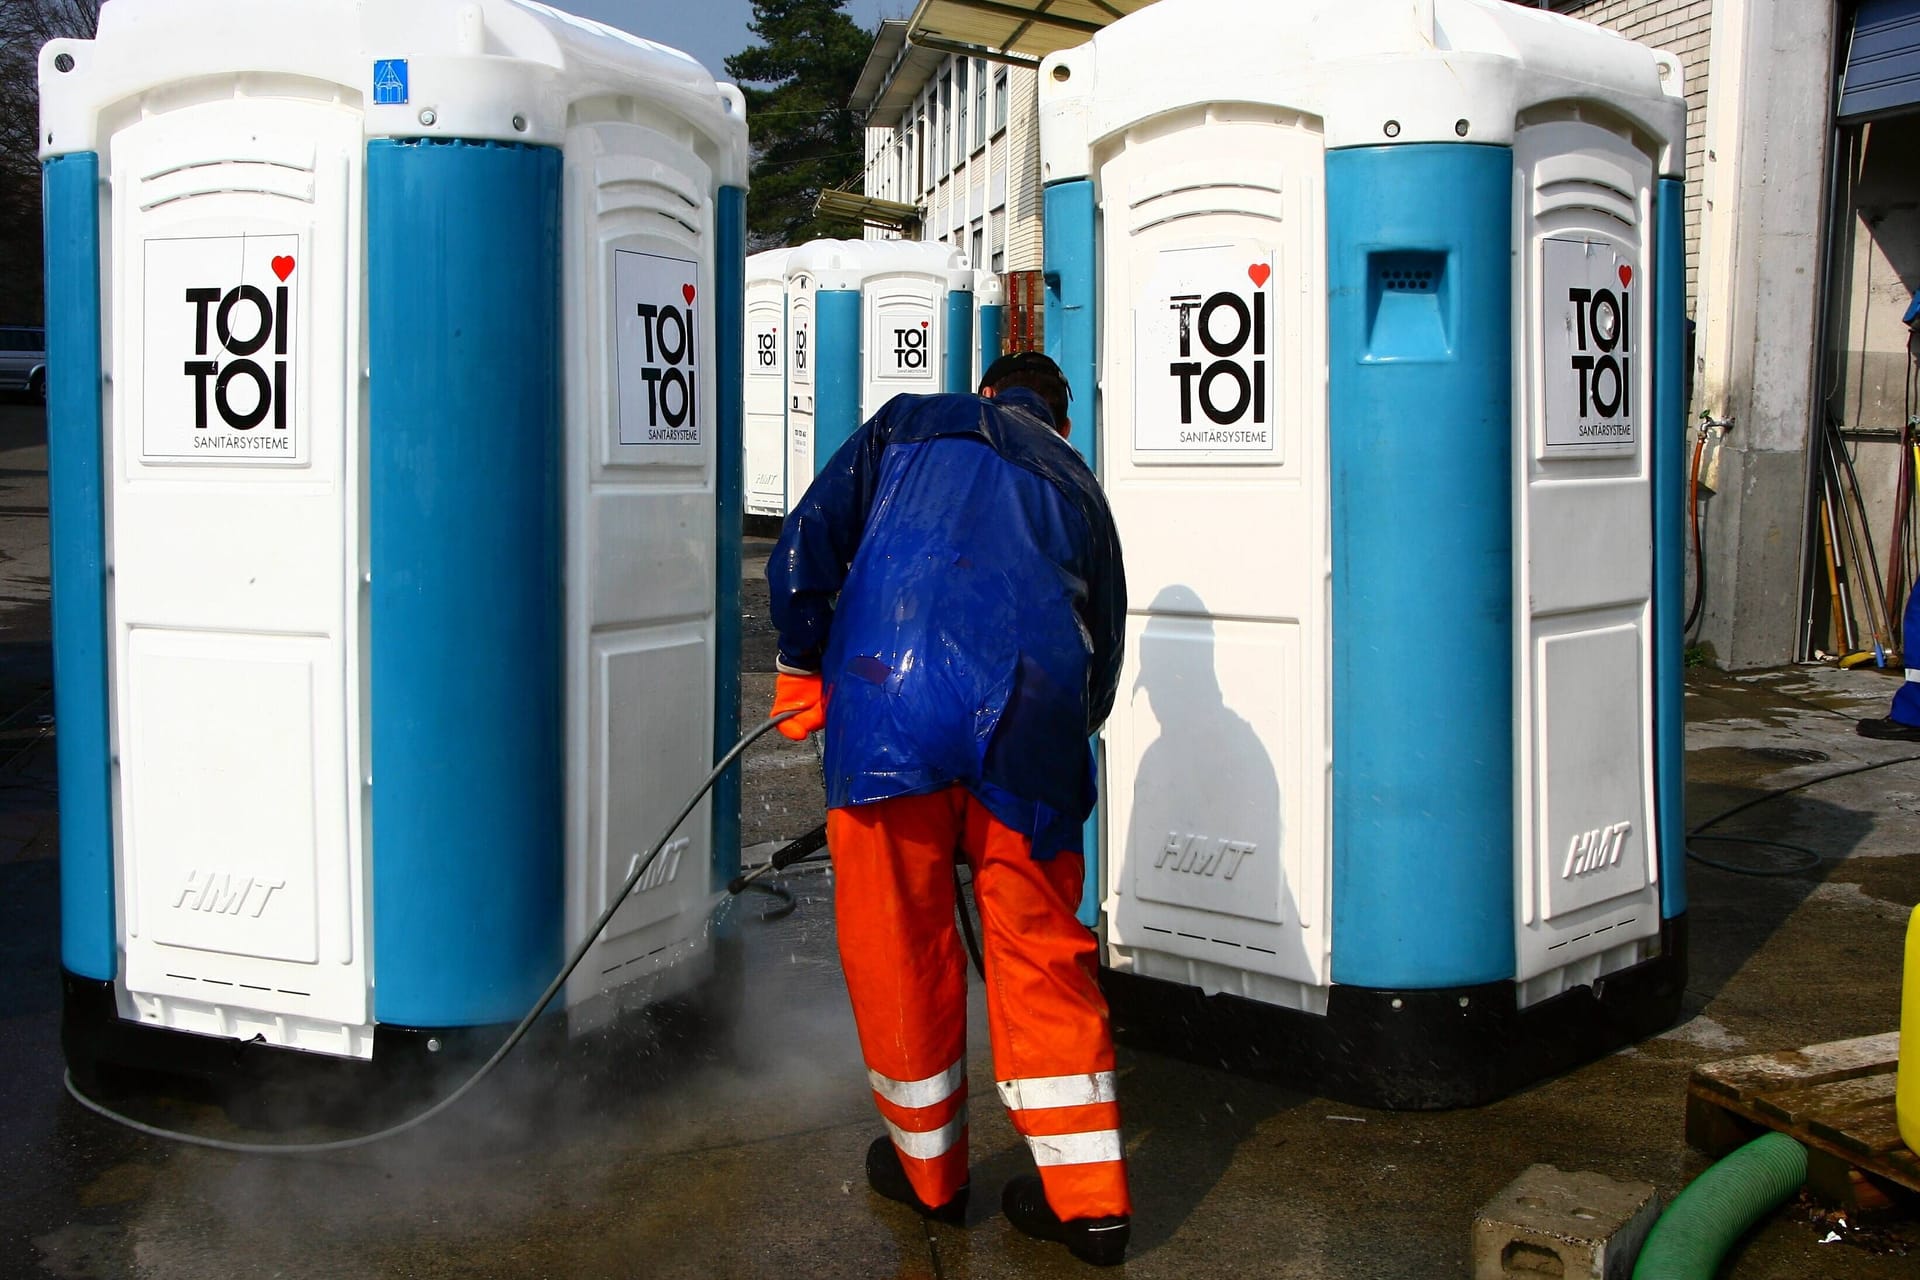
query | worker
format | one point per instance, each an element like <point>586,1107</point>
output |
<point>949,599</point>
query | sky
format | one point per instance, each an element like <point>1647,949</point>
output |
<point>710,30</point>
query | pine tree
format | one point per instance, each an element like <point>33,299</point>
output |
<point>804,138</point>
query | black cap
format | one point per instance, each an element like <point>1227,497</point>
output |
<point>1022,362</point>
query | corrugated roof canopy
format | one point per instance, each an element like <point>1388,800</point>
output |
<point>893,77</point>
<point>867,210</point>
<point>1026,29</point>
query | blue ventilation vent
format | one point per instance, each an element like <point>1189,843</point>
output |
<point>1408,308</point>
<point>1408,280</point>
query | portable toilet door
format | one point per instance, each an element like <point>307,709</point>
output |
<point>352,567</point>
<point>1383,814</point>
<point>803,287</point>
<point>989,323</point>
<point>916,321</point>
<point>766,389</point>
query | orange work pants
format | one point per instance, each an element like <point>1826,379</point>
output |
<point>906,973</point>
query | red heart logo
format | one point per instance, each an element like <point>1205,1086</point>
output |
<point>923,324</point>
<point>686,291</point>
<point>1258,273</point>
<point>1626,275</point>
<point>282,266</point>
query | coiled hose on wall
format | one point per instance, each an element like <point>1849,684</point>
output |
<point>1719,1206</point>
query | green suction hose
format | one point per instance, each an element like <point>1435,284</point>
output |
<point>1718,1207</point>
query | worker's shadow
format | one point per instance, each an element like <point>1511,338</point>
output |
<point>1202,884</point>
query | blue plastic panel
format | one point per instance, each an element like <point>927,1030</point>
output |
<point>993,334</point>
<point>958,374</point>
<point>1072,327</point>
<point>465,542</point>
<point>730,320</point>
<point>1072,310</point>
<point>1421,450</point>
<point>836,371</point>
<point>1669,463</point>
<point>75,478</point>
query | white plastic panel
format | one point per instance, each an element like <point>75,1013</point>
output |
<point>1217,754</point>
<point>233,456</point>
<point>1588,900</point>
<point>640,549</point>
<point>641,683</point>
<point>902,338</point>
<point>766,397</point>
<point>800,291</point>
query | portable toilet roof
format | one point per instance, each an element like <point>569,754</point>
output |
<point>1374,71</point>
<point>845,264</point>
<point>769,265</point>
<point>490,70</point>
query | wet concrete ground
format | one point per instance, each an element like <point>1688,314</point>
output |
<point>669,1153</point>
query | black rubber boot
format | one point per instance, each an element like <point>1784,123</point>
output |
<point>1887,729</point>
<point>888,1178</point>
<point>1100,1241</point>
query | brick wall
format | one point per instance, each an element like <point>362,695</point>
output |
<point>1685,29</point>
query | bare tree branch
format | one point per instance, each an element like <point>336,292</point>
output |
<point>26,25</point>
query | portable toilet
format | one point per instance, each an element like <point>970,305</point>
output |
<point>766,387</point>
<point>869,320</point>
<point>394,456</point>
<point>989,321</point>
<point>1380,304</point>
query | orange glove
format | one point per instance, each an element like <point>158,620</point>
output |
<point>802,693</point>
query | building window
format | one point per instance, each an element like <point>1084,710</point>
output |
<point>979,103</point>
<point>920,152</point>
<point>1000,100</point>
<point>960,105</point>
<point>979,254</point>
<point>942,123</point>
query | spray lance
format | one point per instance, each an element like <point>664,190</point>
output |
<point>525,1024</point>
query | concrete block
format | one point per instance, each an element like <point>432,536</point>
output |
<point>1549,1223</point>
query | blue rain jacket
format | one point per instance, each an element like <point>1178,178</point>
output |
<point>955,577</point>
<point>1906,699</point>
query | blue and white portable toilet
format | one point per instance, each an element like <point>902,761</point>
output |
<point>394,453</point>
<point>869,320</point>
<point>766,386</point>
<point>1378,305</point>
<point>989,321</point>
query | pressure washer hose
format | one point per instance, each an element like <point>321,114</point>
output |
<point>1718,1207</point>
<point>506,1046</point>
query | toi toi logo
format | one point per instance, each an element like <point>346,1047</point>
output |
<point>252,383</point>
<point>668,331</point>
<point>1231,387</point>
<point>1602,344</point>
<point>910,349</point>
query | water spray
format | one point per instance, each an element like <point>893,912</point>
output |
<point>519,1031</point>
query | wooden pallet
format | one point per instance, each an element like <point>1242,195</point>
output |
<point>1836,1099</point>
